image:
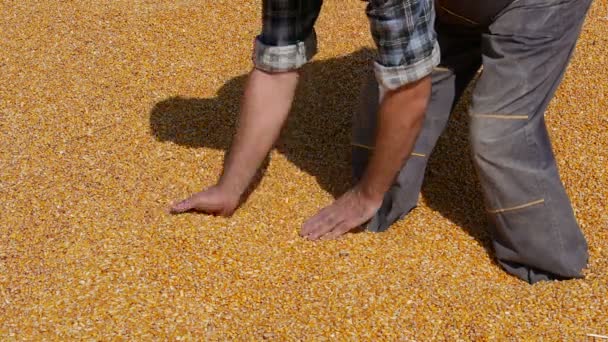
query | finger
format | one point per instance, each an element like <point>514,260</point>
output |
<point>339,230</point>
<point>183,206</point>
<point>313,222</point>
<point>323,231</point>
<point>324,226</point>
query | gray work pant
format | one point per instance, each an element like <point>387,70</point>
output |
<point>524,49</point>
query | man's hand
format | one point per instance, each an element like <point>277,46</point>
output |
<point>399,121</point>
<point>214,201</point>
<point>266,103</point>
<point>348,212</point>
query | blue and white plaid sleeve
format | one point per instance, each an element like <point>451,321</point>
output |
<point>402,29</point>
<point>288,39</point>
<point>405,37</point>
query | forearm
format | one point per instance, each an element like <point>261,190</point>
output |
<point>265,106</point>
<point>400,120</point>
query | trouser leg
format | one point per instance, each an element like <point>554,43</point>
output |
<point>525,53</point>
<point>403,194</point>
<point>460,61</point>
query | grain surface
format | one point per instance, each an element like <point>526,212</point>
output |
<point>110,110</point>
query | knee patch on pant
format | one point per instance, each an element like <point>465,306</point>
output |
<point>506,157</point>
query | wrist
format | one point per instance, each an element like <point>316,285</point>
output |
<point>369,192</point>
<point>230,189</point>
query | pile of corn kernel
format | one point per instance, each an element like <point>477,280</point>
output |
<point>110,110</point>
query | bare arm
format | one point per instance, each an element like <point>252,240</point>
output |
<point>266,104</point>
<point>265,107</point>
<point>399,122</point>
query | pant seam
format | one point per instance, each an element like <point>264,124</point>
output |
<point>441,68</point>
<point>522,206</point>
<point>542,188</point>
<point>458,15</point>
<point>500,116</point>
<point>415,154</point>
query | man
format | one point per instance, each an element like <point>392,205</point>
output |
<point>407,54</point>
<point>523,45</point>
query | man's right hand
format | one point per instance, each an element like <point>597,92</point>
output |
<point>214,201</point>
<point>266,103</point>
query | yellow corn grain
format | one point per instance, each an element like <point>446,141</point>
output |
<point>110,110</point>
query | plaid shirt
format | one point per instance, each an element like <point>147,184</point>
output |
<point>402,29</point>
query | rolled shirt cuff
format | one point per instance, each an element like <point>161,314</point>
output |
<point>394,77</point>
<point>284,58</point>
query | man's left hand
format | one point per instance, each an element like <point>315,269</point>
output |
<point>348,212</point>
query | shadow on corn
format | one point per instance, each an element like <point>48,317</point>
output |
<point>317,135</point>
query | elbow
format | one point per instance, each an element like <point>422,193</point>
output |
<point>411,99</point>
